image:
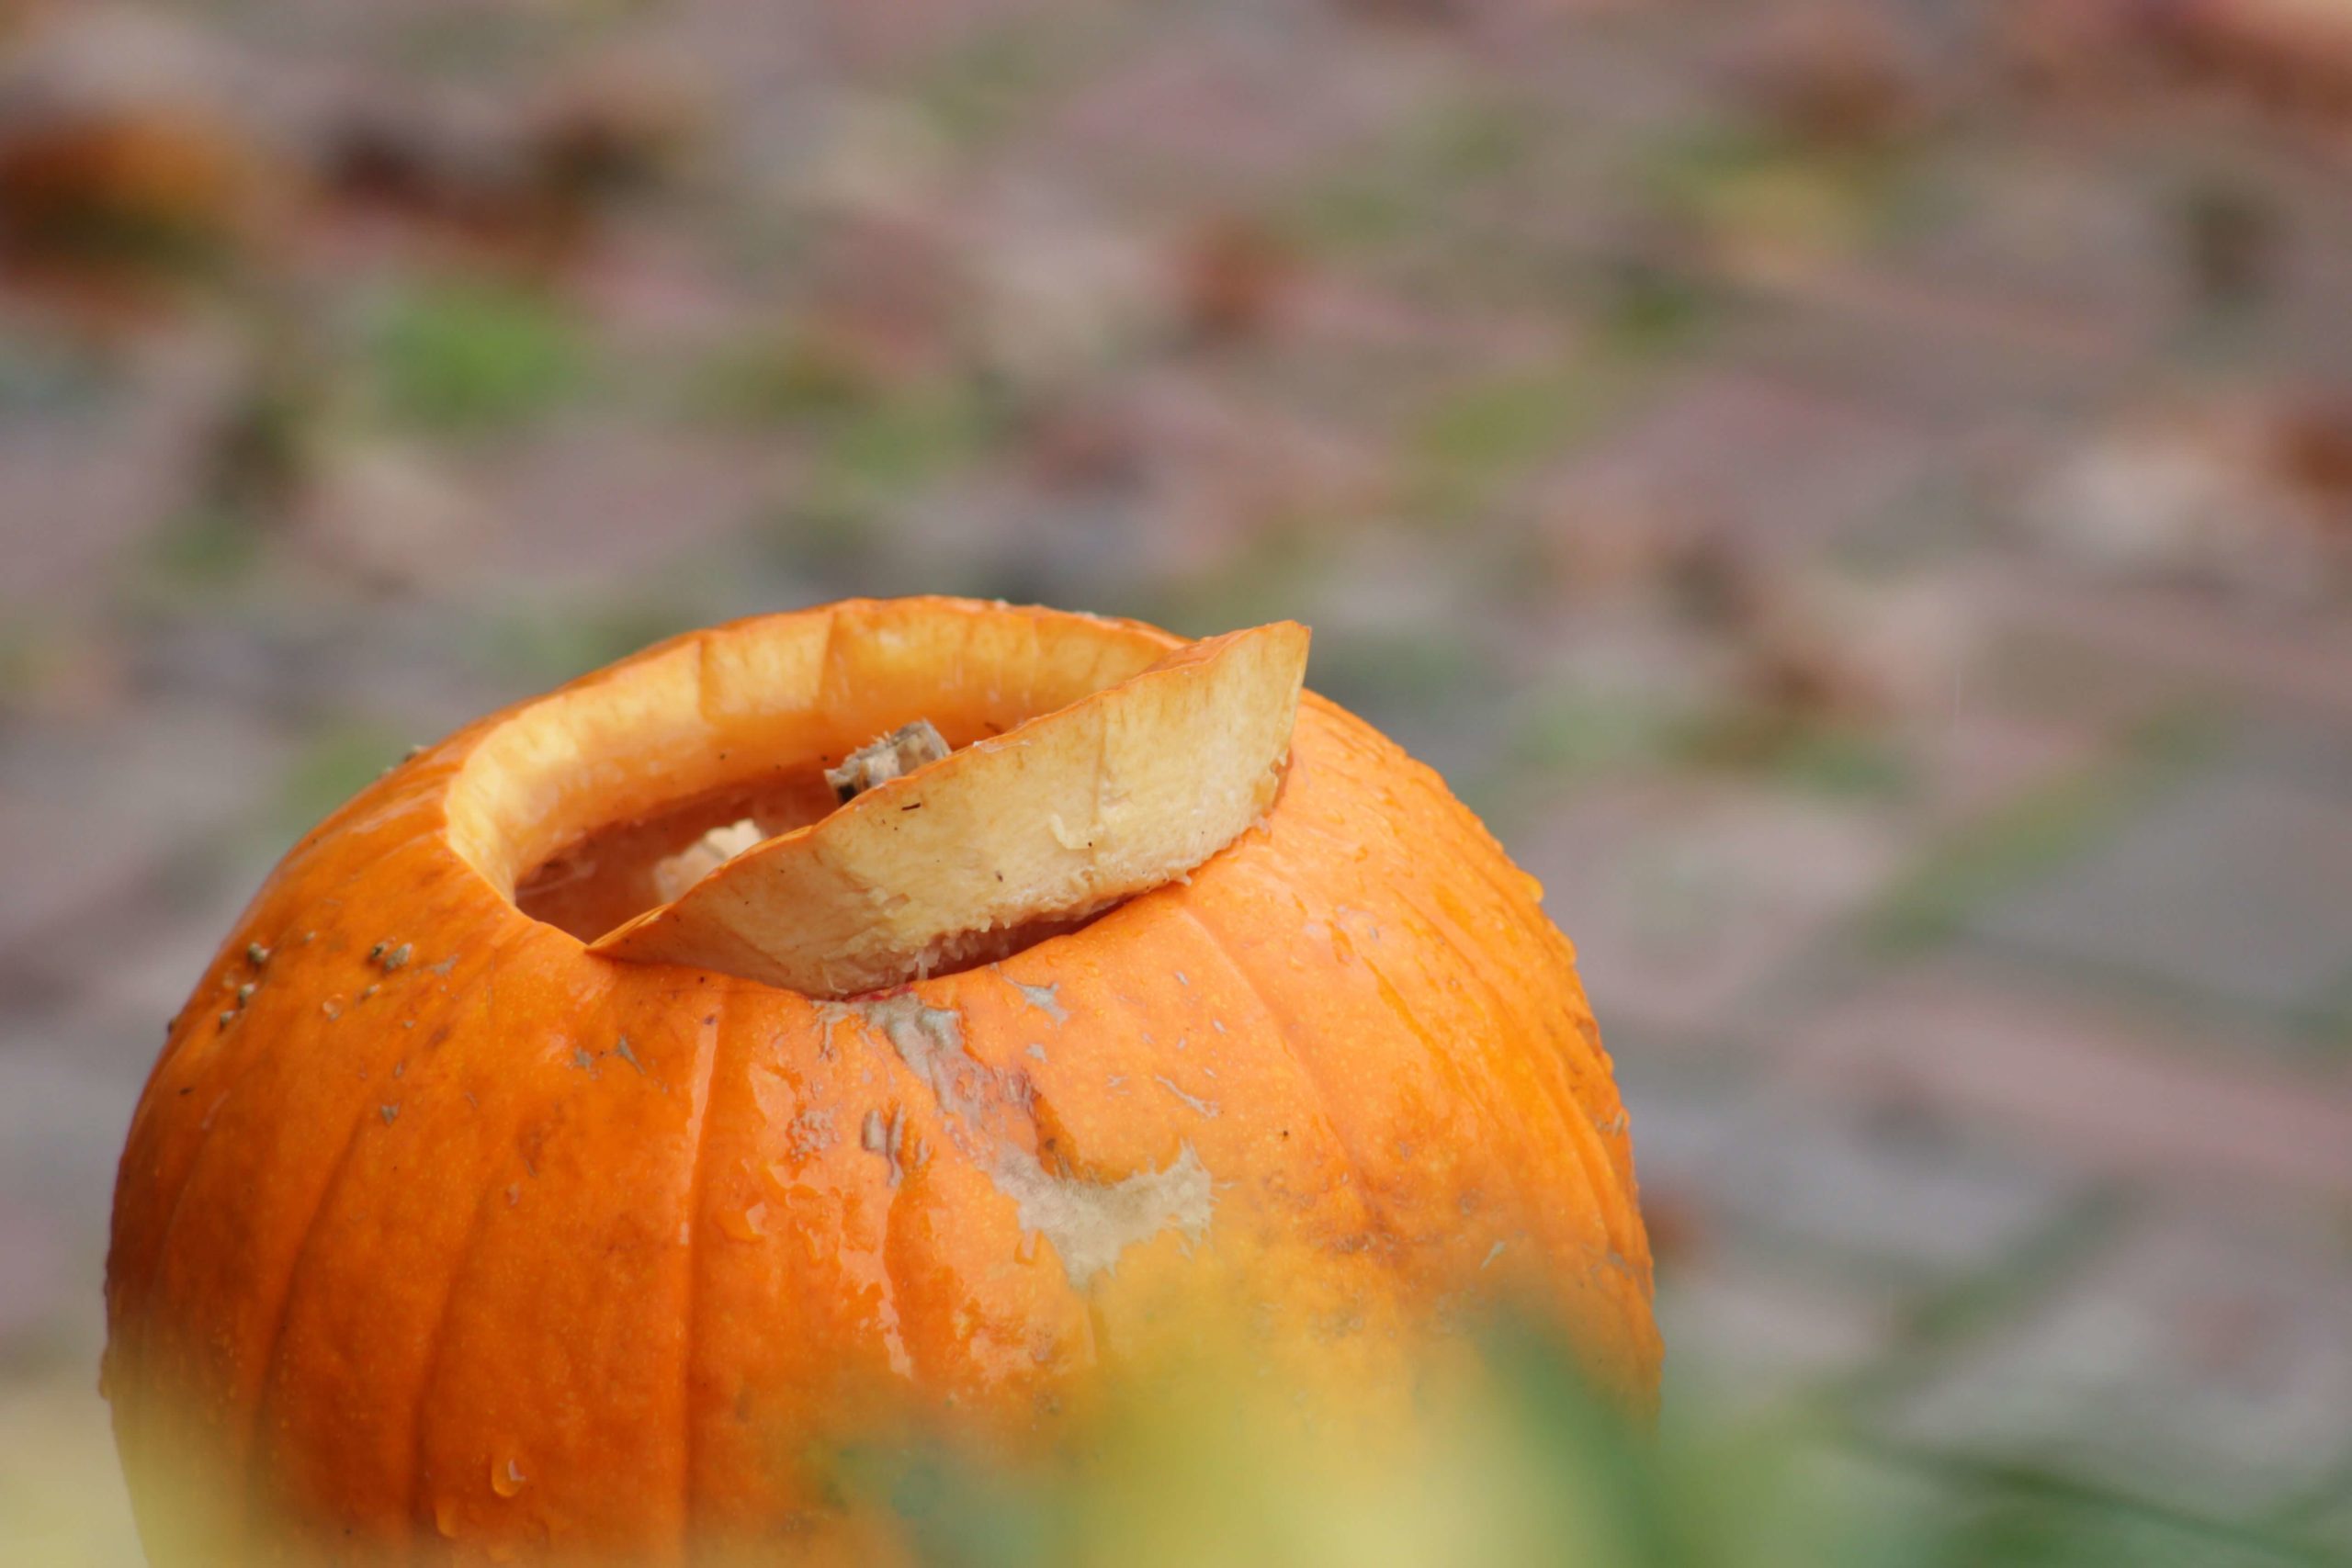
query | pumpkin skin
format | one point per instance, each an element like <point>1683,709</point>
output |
<point>449,1241</point>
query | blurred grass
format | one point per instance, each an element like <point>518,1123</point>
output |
<point>337,761</point>
<point>468,356</point>
<point>2037,833</point>
<point>1535,1471</point>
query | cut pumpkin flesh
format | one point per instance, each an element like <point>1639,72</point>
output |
<point>1060,818</point>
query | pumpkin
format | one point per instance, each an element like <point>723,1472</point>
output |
<point>597,1123</point>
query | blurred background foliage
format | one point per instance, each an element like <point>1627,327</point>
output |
<point>1859,493</point>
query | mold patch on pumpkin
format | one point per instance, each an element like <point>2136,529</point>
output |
<point>1045,999</point>
<point>1090,1223</point>
<point>930,1041</point>
<point>886,1139</point>
<point>970,1094</point>
<point>1208,1108</point>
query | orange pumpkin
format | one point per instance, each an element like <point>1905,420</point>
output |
<point>440,1236</point>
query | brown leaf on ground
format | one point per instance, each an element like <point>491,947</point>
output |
<point>1232,275</point>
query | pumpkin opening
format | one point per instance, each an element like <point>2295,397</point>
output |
<point>611,874</point>
<point>969,855</point>
<point>1070,785</point>
<point>623,870</point>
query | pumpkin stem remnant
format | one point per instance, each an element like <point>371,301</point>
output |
<point>902,751</point>
<point>1015,836</point>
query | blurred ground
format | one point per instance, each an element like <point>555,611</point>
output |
<point>1861,496</point>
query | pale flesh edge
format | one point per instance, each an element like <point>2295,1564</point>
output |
<point>1122,791</point>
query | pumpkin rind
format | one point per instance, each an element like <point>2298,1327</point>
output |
<point>456,1242</point>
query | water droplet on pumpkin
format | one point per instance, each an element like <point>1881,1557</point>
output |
<point>445,1516</point>
<point>506,1478</point>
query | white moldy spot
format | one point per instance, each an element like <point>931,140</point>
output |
<point>930,1041</point>
<point>829,1018</point>
<point>1090,1223</point>
<point>811,1132</point>
<point>886,1139</point>
<point>1045,1000</point>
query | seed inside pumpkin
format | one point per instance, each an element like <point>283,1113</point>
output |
<point>901,752</point>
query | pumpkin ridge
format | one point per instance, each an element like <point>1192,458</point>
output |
<point>1566,1102</point>
<point>1377,1220</point>
<point>139,1314</point>
<point>497,943</point>
<point>429,1365</point>
<point>1480,1087</point>
<point>177,1047</point>
<point>1505,1106</point>
<point>1484,1088</point>
<point>1220,952</point>
<point>274,1373</point>
<point>706,1073</point>
<point>906,1349</point>
<point>261,1054</point>
<point>1369,752</point>
<point>281,1313</point>
<point>1605,1179</point>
